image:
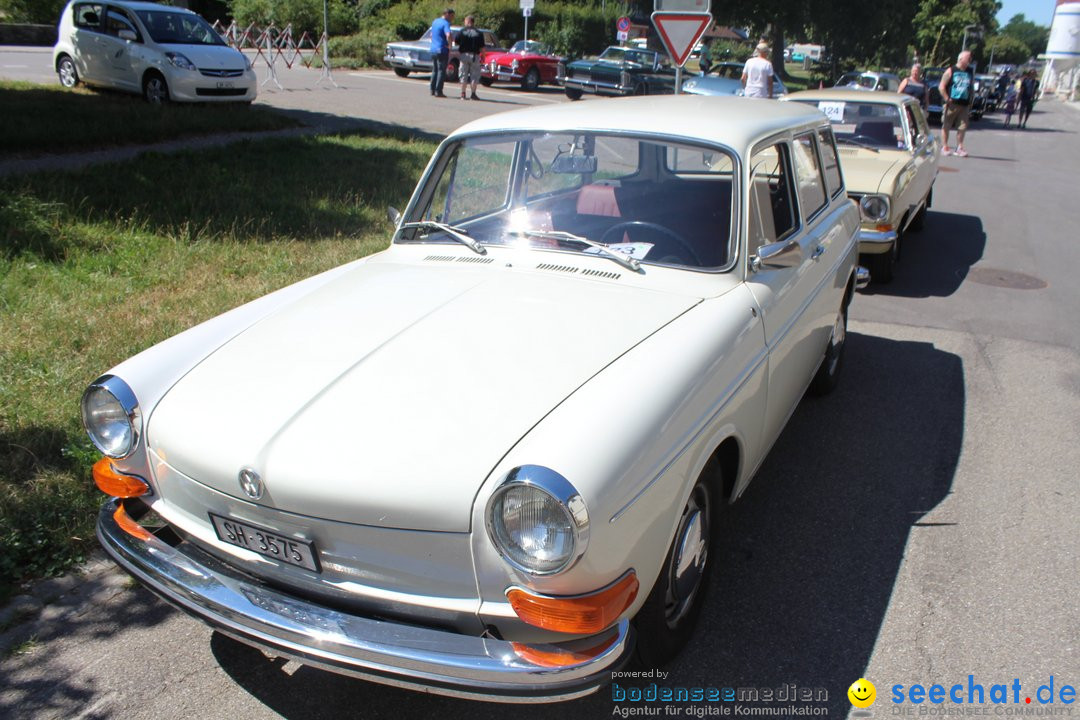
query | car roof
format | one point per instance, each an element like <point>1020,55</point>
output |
<point>733,121</point>
<point>840,94</point>
<point>130,5</point>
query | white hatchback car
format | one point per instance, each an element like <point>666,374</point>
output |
<point>165,53</point>
<point>487,461</point>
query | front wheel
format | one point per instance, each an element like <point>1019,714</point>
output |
<point>69,76</point>
<point>452,72</point>
<point>486,81</point>
<point>532,80</point>
<point>828,375</point>
<point>667,619</point>
<point>401,72</point>
<point>573,93</point>
<point>155,89</point>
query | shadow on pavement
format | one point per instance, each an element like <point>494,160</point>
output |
<point>86,615</point>
<point>934,262</point>
<point>806,560</point>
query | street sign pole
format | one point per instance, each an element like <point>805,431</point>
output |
<point>526,11</point>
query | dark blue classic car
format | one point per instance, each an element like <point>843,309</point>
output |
<point>619,71</point>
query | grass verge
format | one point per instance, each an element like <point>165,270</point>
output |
<point>96,265</point>
<point>45,119</point>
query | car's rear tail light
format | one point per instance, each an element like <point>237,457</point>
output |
<point>581,614</point>
<point>115,483</point>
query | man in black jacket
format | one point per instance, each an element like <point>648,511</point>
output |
<point>470,42</point>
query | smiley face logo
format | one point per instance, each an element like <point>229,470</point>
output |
<point>862,693</point>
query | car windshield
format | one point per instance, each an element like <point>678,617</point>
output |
<point>874,125</point>
<point>621,54</point>
<point>167,27</point>
<point>530,47</point>
<point>651,200</point>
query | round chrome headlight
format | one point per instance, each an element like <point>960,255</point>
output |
<point>537,521</point>
<point>874,207</point>
<point>111,416</point>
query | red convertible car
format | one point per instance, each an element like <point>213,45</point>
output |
<point>529,63</point>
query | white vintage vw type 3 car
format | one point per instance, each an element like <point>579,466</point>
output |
<point>486,461</point>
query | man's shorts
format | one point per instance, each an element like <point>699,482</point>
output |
<point>470,68</point>
<point>955,115</point>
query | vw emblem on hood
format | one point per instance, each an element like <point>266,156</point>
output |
<point>251,483</point>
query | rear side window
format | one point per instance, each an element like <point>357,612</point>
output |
<point>88,16</point>
<point>830,162</point>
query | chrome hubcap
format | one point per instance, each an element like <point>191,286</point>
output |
<point>689,557</point>
<point>67,74</point>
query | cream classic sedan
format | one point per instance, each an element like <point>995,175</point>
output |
<point>486,461</point>
<point>890,162</point>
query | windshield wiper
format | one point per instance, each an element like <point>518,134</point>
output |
<point>625,260</point>
<point>455,232</point>
<point>856,142</point>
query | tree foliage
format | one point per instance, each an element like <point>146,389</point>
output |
<point>1033,36</point>
<point>1007,50</point>
<point>38,12</point>
<point>939,27</point>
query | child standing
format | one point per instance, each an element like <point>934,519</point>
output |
<point>1010,104</point>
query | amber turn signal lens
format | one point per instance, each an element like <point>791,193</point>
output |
<point>581,614</point>
<point>552,656</point>
<point>112,482</point>
<point>130,526</point>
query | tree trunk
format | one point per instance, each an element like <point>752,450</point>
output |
<point>776,38</point>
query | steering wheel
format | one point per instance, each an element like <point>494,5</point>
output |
<point>679,240</point>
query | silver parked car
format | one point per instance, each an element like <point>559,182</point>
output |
<point>725,79</point>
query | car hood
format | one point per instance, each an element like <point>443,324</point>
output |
<point>411,45</point>
<point>509,57</point>
<point>387,396</point>
<point>866,171</point>
<point>209,57</point>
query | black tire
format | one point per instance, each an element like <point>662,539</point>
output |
<point>881,265</point>
<point>65,68</point>
<point>531,80</point>
<point>828,375</point>
<point>666,621</point>
<point>641,89</point>
<point>401,72</point>
<point>486,81</point>
<point>573,93</point>
<point>155,89</point>
<point>452,72</point>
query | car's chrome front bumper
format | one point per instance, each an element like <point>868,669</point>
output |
<point>876,241</point>
<point>595,86</point>
<point>388,652</point>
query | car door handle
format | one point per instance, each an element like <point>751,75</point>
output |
<point>818,252</point>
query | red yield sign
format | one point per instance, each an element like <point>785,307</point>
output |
<point>680,31</point>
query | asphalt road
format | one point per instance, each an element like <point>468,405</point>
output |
<point>918,526</point>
